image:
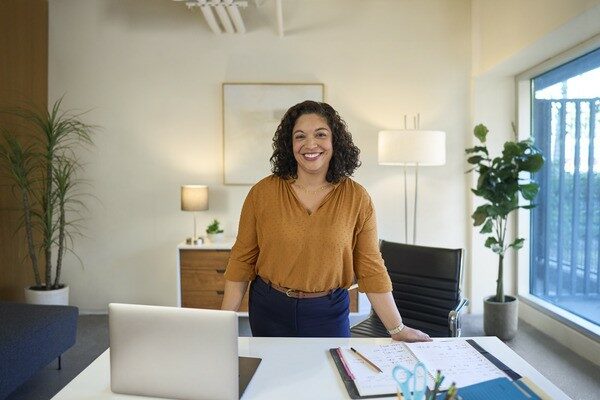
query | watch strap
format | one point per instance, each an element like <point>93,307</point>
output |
<point>397,329</point>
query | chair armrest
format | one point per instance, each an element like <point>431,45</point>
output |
<point>454,317</point>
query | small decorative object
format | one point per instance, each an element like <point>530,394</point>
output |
<point>214,232</point>
<point>43,166</point>
<point>499,185</point>
<point>194,198</point>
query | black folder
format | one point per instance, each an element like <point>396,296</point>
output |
<point>353,391</point>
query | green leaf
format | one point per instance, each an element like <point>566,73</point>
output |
<point>482,180</point>
<point>474,159</point>
<point>529,206</point>
<point>511,150</point>
<point>481,132</point>
<point>476,149</point>
<point>529,191</point>
<point>480,215</point>
<point>487,227</point>
<point>490,241</point>
<point>532,163</point>
<point>493,211</point>
<point>517,244</point>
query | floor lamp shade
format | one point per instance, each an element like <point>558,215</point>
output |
<point>412,147</point>
<point>194,197</point>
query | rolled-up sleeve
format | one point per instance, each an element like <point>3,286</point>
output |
<point>370,271</point>
<point>244,253</point>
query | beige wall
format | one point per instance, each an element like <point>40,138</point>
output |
<point>152,72</point>
<point>508,26</point>
<point>508,38</point>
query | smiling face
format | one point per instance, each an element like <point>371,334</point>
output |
<point>312,144</point>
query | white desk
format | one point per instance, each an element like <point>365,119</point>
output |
<point>291,369</point>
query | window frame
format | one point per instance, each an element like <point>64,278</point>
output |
<point>524,95</point>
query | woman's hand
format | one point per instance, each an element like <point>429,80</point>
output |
<point>411,335</point>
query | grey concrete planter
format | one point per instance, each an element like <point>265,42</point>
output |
<point>501,319</point>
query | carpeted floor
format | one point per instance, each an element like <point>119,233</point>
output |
<point>577,377</point>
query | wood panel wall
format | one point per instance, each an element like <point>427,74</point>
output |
<point>23,79</point>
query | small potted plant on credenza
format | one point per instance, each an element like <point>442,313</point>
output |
<point>214,232</point>
<point>499,184</point>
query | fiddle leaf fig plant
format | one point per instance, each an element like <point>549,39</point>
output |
<point>499,184</point>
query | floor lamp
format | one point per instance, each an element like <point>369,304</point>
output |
<point>194,198</point>
<point>411,148</point>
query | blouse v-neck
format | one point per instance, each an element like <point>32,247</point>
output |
<point>302,205</point>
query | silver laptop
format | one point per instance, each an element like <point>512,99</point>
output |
<point>176,353</point>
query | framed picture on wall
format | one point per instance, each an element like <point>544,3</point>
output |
<point>251,114</point>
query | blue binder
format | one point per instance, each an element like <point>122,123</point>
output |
<point>496,389</point>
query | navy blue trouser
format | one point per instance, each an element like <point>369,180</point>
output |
<point>273,313</point>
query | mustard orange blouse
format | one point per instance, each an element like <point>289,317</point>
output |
<point>331,248</point>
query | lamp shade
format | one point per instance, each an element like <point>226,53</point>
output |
<point>411,147</point>
<point>194,197</point>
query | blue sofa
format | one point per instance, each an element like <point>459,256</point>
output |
<point>31,336</point>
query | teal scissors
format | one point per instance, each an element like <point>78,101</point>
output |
<point>413,384</point>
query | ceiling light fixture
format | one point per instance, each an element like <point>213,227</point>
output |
<point>227,11</point>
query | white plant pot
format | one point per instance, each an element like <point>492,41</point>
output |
<point>48,297</point>
<point>216,237</point>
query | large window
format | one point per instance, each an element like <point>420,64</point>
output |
<point>565,226</point>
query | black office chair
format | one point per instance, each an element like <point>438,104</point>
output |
<point>426,285</point>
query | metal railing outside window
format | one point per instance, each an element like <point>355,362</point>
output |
<point>565,226</point>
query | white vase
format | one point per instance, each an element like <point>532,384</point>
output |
<point>48,297</point>
<point>216,237</point>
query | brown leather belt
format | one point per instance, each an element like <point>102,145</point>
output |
<point>296,293</point>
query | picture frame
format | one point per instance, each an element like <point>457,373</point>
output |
<point>251,114</point>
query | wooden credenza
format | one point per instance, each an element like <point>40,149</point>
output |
<point>202,283</point>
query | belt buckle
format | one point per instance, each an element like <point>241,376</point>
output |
<point>288,293</point>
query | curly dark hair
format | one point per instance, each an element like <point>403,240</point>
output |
<point>344,159</point>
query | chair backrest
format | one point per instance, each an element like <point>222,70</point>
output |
<point>426,283</point>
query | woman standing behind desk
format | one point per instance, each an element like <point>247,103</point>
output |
<point>306,233</point>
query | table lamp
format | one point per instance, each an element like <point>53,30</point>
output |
<point>194,198</point>
<point>411,147</point>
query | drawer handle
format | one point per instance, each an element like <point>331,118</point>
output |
<point>220,271</point>
<point>220,292</point>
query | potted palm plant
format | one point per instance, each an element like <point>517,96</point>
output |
<point>499,184</point>
<point>44,176</point>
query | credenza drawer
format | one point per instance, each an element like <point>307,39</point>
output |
<point>204,259</point>
<point>210,299</point>
<point>202,279</point>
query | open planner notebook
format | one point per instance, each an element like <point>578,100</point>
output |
<point>461,361</point>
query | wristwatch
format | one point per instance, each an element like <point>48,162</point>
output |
<point>397,329</point>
